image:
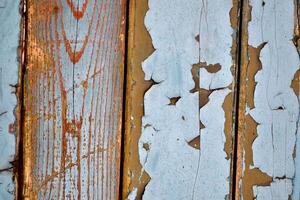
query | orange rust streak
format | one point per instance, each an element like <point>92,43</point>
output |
<point>63,108</point>
<point>53,103</point>
<point>78,14</point>
<point>76,56</point>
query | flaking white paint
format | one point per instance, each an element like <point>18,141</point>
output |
<point>276,105</point>
<point>215,42</point>
<point>132,194</point>
<point>177,170</point>
<point>279,190</point>
<point>296,181</point>
<point>9,42</point>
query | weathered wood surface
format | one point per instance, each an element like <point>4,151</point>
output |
<point>268,157</point>
<point>139,48</point>
<point>9,41</point>
<point>180,100</point>
<point>179,129</point>
<point>73,99</point>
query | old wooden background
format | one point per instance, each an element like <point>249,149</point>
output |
<point>149,99</point>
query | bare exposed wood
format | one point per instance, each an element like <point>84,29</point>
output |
<point>139,48</point>
<point>9,41</point>
<point>73,99</point>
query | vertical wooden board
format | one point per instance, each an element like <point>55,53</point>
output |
<point>9,41</point>
<point>73,99</point>
<point>268,163</point>
<point>180,99</point>
<point>139,48</point>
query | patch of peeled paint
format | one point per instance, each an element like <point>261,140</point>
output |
<point>132,195</point>
<point>276,107</point>
<point>9,42</point>
<point>178,170</point>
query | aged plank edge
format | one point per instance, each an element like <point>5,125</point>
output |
<point>22,67</point>
<point>124,102</point>
<point>242,98</point>
<point>238,26</point>
<point>249,176</point>
<point>235,160</point>
<point>296,86</point>
<point>296,180</point>
<point>139,47</point>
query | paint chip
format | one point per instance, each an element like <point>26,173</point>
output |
<point>195,143</point>
<point>174,100</point>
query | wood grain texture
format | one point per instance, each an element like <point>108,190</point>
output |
<point>269,104</point>
<point>182,127</point>
<point>73,99</point>
<point>10,21</point>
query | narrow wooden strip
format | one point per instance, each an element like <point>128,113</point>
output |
<point>139,48</point>
<point>73,99</point>
<point>269,105</point>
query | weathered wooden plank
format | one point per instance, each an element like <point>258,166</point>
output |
<point>73,99</point>
<point>9,41</point>
<point>179,129</point>
<point>269,104</point>
<point>139,48</point>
